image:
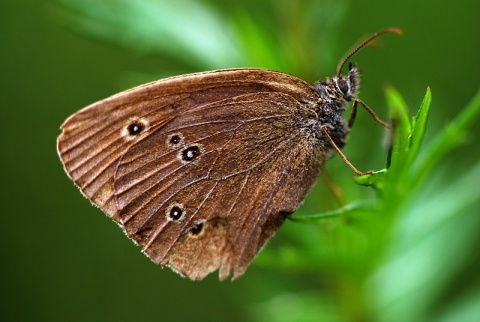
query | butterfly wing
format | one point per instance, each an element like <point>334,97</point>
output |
<point>219,160</point>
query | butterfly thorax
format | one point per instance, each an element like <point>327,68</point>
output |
<point>334,95</point>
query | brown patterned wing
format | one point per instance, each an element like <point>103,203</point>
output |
<point>94,139</point>
<point>191,143</point>
<point>253,163</point>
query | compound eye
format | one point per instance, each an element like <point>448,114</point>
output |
<point>342,86</point>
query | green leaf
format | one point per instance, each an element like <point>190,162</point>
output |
<point>402,130</point>
<point>419,125</point>
<point>452,136</point>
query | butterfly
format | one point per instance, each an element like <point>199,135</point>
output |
<point>202,169</point>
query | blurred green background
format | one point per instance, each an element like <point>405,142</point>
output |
<point>64,260</point>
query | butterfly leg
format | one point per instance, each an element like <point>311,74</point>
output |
<point>368,109</point>
<point>351,120</point>
<point>340,153</point>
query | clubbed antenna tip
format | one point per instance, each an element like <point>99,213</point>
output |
<point>394,30</point>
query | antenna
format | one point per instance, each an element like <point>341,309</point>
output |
<point>397,31</point>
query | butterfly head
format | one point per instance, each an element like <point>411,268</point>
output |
<point>347,86</point>
<point>340,89</point>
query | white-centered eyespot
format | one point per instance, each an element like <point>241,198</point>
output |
<point>199,229</point>
<point>175,140</point>
<point>175,212</point>
<point>190,153</point>
<point>134,127</point>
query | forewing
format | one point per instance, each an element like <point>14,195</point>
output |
<point>94,139</point>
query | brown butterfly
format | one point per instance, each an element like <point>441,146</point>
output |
<point>202,169</point>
